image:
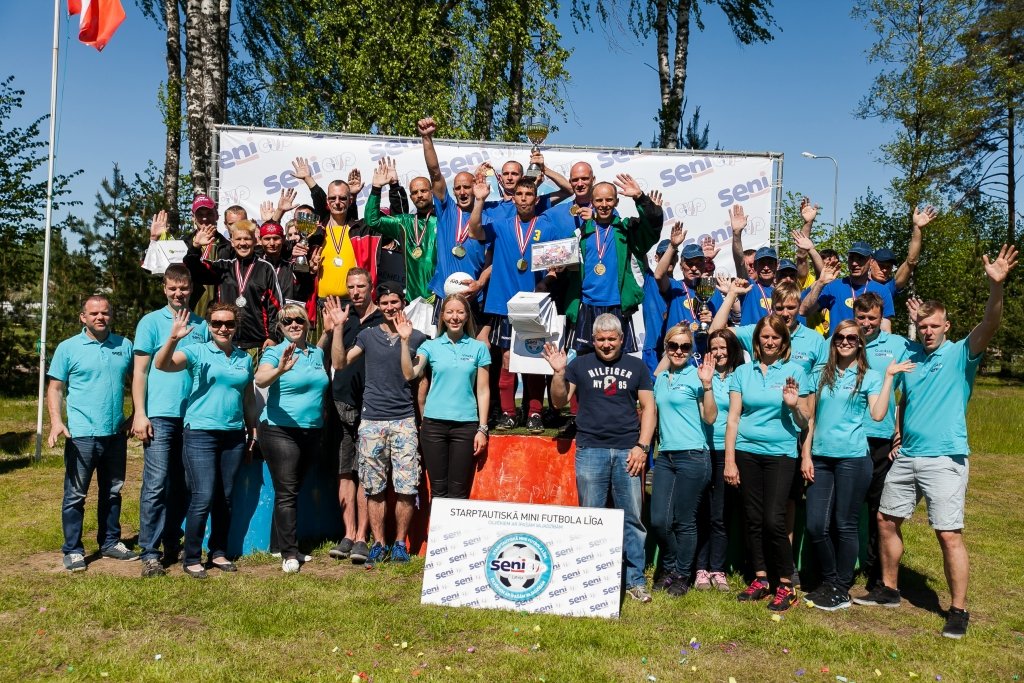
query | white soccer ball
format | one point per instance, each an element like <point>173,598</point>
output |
<point>454,283</point>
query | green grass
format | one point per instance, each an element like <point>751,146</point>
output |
<point>332,621</point>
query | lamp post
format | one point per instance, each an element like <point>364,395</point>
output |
<point>835,191</point>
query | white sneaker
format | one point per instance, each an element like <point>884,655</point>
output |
<point>290,566</point>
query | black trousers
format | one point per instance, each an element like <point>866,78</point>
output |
<point>879,450</point>
<point>288,452</point>
<point>448,456</point>
<point>765,483</point>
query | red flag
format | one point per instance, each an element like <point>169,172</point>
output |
<point>98,19</point>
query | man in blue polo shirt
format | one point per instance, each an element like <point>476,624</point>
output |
<point>837,297</point>
<point>757,303</point>
<point>160,399</point>
<point>883,266</point>
<point>933,450</point>
<point>93,366</point>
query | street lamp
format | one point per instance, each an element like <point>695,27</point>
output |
<point>835,192</point>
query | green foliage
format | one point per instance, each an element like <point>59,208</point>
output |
<point>377,67</point>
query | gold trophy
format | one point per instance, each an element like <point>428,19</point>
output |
<point>537,129</point>
<point>306,223</point>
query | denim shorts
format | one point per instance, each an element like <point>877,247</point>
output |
<point>940,480</point>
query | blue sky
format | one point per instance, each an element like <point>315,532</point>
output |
<point>797,93</point>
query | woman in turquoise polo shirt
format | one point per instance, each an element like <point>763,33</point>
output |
<point>835,458</point>
<point>219,418</point>
<point>768,406</point>
<point>454,428</point>
<point>682,469</point>
<point>291,423</point>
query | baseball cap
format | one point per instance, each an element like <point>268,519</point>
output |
<point>786,264</point>
<point>884,255</point>
<point>390,287</point>
<point>271,228</point>
<point>203,201</point>
<point>692,251</point>
<point>861,248</point>
<point>662,247</point>
<point>766,252</point>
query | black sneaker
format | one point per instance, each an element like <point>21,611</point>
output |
<point>881,596</point>
<point>534,424</point>
<point>505,423</point>
<point>152,568</point>
<point>832,600</point>
<point>664,580</point>
<point>785,597</point>
<point>119,551</point>
<point>360,551</point>
<point>680,587</point>
<point>757,590</point>
<point>568,430</point>
<point>956,623</point>
<point>343,550</point>
<point>817,595</point>
<point>795,579</point>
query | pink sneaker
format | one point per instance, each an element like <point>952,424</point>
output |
<point>703,582</point>
<point>719,581</point>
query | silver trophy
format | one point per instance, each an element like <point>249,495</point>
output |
<point>703,292</point>
<point>537,129</point>
<point>306,224</point>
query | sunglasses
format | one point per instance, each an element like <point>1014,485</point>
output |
<point>290,321</point>
<point>673,347</point>
<point>853,339</point>
<point>337,198</point>
<point>230,324</point>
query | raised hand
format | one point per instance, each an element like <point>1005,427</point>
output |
<point>355,182</point>
<point>481,188</point>
<point>808,211</point>
<point>722,283</point>
<point>286,202</point>
<point>709,247</point>
<point>337,313</point>
<point>392,171</point>
<point>158,226</point>
<point>204,235</point>
<point>656,197</point>
<point>791,392</point>
<point>678,235</point>
<point>913,303</point>
<point>288,359</point>
<point>180,327</point>
<point>403,326</point>
<point>1006,261</point>
<point>316,259</point>
<point>802,241</point>
<point>628,186</point>
<point>740,286</point>
<point>706,371</point>
<point>426,127</point>
<point>381,173</point>
<point>896,368</point>
<point>923,218</point>
<point>266,211</point>
<point>555,357</point>
<point>737,219</point>
<point>300,168</point>
<point>586,213</point>
<point>828,274</point>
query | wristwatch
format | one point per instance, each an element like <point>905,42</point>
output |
<point>645,447</point>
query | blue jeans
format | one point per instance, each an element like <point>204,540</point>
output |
<point>212,458</point>
<point>680,482</point>
<point>840,488</point>
<point>106,456</point>
<point>163,497</point>
<point>600,470</point>
<point>712,539</point>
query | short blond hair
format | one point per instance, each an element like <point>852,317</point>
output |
<point>243,225</point>
<point>292,311</point>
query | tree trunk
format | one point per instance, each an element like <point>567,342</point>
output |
<point>1011,175</point>
<point>514,114</point>
<point>672,82</point>
<point>198,137</point>
<point>172,152</point>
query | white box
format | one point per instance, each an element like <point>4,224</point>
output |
<point>530,313</point>
<point>525,354</point>
<point>163,253</point>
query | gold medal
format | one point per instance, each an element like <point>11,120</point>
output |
<point>599,269</point>
<point>459,251</point>
<point>849,302</point>
<point>521,265</point>
<point>694,327</point>
<point>416,253</point>
<point>574,210</point>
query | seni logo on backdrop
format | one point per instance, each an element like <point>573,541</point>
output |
<point>249,151</point>
<point>317,167</point>
<point>518,567</point>
<point>686,171</point>
<point>744,191</point>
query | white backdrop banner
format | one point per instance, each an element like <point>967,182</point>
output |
<point>535,558</point>
<point>253,166</point>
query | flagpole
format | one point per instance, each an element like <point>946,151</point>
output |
<point>46,238</point>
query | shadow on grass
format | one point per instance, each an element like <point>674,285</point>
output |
<point>16,443</point>
<point>914,589</point>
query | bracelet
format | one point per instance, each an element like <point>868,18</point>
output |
<point>483,429</point>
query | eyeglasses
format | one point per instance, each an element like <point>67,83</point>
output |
<point>852,339</point>
<point>291,321</point>
<point>337,198</point>
<point>673,347</point>
<point>230,324</point>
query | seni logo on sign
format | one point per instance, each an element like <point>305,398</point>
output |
<point>686,171</point>
<point>518,567</point>
<point>741,192</point>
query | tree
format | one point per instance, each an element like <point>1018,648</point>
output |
<point>670,20</point>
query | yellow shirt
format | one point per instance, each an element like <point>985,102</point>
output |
<point>817,321</point>
<point>338,258</point>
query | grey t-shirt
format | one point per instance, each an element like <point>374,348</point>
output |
<point>387,395</point>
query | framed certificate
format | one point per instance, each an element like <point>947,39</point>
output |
<point>556,253</point>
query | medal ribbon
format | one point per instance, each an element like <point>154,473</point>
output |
<point>242,282</point>
<point>853,292</point>
<point>460,234</point>
<point>337,243</point>
<point>523,238</point>
<point>602,242</point>
<point>417,234</point>
<point>763,294</point>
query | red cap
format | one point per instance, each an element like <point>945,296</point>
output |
<point>202,201</point>
<point>271,228</point>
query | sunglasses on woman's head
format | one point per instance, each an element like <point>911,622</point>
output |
<point>848,338</point>
<point>230,324</point>
<point>673,347</point>
<point>289,321</point>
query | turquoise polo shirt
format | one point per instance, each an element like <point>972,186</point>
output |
<point>678,395</point>
<point>840,413</point>
<point>808,348</point>
<point>884,349</point>
<point>218,386</point>
<point>297,398</point>
<point>166,392</point>
<point>935,397</point>
<point>93,373</point>
<point>766,424</point>
<point>453,367</point>
<point>715,433</point>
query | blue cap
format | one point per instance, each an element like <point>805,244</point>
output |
<point>662,247</point>
<point>884,255</point>
<point>766,252</point>
<point>786,264</point>
<point>692,251</point>
<point>861,248</point>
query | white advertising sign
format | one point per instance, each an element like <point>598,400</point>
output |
<point>254,165</point>
<point>535,558</point>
